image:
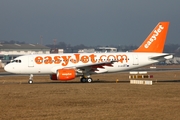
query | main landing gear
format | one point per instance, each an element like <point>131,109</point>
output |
<point>84,79</point>
<point>30,79</point>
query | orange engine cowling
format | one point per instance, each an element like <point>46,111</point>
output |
<point>64,74</point>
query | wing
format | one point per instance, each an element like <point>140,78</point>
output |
<point>89,67</point>
<point>96,68</point>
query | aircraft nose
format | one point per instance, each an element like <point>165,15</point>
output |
<point>7,68</point>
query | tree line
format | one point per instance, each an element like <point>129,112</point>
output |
<point>169,48</point>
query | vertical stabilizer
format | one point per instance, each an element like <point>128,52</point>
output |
<point>156,39</point>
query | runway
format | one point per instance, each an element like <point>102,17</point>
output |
<point>166,75</point>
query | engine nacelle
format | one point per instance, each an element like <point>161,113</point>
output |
<point>64,74</point>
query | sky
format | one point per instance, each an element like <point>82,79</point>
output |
<point>88,22</point>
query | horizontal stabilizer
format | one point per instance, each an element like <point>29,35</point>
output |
<point>162,57</point>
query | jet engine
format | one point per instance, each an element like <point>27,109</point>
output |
<point>64,74</point>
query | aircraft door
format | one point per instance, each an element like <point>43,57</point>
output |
<point>135,60</point>
<point>30,61</point>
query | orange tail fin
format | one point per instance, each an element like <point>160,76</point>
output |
<point>156,39</point>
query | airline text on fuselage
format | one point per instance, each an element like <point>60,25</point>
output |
<point>76,58</point>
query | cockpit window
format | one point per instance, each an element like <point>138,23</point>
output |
<point>16,61</point>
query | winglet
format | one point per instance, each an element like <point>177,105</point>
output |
<point>156,39</point>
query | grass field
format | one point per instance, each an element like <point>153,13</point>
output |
<point>103,99</point>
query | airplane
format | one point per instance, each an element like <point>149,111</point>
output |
<point>67,66</point>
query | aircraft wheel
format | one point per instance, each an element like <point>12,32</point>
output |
<point>83,80</point>
<point>89,80</point>
<point>30,81</point>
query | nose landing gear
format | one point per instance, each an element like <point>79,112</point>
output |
<point>30,79</point>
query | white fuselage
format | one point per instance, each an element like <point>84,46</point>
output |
<point>50,63</point>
